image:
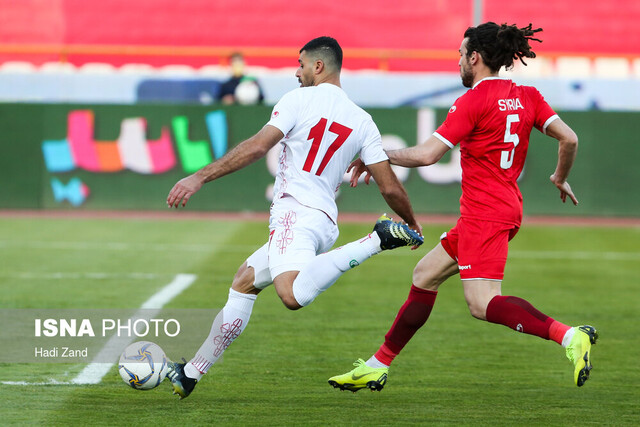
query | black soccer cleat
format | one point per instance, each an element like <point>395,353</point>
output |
<point>395,234</point>
<point>182,384</point>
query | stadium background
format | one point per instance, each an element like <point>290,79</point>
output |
<point>159,64</point>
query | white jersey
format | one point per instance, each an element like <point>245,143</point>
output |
<point>324,131</point>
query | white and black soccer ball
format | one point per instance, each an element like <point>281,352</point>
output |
<point>143,365</point>
<point>247,92</point>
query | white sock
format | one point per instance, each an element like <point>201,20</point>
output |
<point>567,337</point>
<point>375,363</point>
<point>226,327</point>
<point>325,269</point>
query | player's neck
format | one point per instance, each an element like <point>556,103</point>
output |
<point>333,79</point>
<point>483,74</point>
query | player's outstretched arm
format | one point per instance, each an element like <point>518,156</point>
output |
<point>394,193</point>
<point>567,150</point>
<point>425,154</point>
<point>240,156</point>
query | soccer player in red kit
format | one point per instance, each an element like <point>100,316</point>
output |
<point>492,123</point>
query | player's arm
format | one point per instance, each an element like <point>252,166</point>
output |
<point>567,150</point>
<point>242,155</point>
<point>424,154</point>
<point>394,193</point>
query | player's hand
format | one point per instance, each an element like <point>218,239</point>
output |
<point>357,168</point>
<point>565,190</point>
<point>183,190</point>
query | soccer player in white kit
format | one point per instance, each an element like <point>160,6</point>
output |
<point>321,131</point>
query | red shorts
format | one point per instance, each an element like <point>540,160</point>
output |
<point>480,247</point>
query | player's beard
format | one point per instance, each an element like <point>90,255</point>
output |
<point>467,76</point>
<point>305,81</point>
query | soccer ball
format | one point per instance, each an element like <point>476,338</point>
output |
<point>143,365</point>
<point>247,92</point>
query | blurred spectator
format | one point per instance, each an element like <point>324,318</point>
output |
<point>240,88</point>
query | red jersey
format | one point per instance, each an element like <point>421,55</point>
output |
<point>492,123</point>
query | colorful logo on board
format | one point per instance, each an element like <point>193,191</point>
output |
<point>131,151</point>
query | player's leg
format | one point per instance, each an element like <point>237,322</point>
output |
<point>478,294</point>
<point>520,315</point>
<point>283,284</point>
<point>430,272</point>
<point>323,270</point>
<point>229,323</point>
<point>482,257</point>
<point>297,234</point>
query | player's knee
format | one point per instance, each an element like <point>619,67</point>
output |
<point>290,302</point>
<point>479,311</point>
<point>243,280</point>
<point>422,279</point>
<point>284,288</point>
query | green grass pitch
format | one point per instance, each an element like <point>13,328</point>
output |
<point>456,370</point>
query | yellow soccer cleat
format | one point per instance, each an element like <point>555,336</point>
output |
<point>361,377</point>
<point>579,352</point>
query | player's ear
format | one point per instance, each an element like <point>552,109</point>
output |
<point>475,57</point>
<point>319,66</point>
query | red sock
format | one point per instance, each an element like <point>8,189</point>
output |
<point>412,315</point>
<point>520,315</point>
<point>557,331</point>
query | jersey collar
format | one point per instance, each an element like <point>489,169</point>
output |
<point>488,78</point>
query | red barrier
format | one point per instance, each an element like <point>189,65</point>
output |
<point>372,27</point>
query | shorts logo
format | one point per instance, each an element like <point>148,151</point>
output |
<point>353,263</point>
<point>464,267</point>
<point>520,328</point>
<point>285,237</point>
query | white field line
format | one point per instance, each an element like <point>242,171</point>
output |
<point>95,371</point>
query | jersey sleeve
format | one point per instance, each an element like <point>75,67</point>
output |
<point>285,113</point>
<point>544,113</point>
<point>459,123</point>
<point>372,151</point>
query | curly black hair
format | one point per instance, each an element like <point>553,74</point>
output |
<point>500,45</point>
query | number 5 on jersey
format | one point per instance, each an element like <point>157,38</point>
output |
<point>506,158</point>
<point>316,134</point>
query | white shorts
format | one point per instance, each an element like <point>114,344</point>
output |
<point>297,234</point>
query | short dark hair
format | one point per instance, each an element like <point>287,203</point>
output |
<point>499,45</point>
<point>326,48</point>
